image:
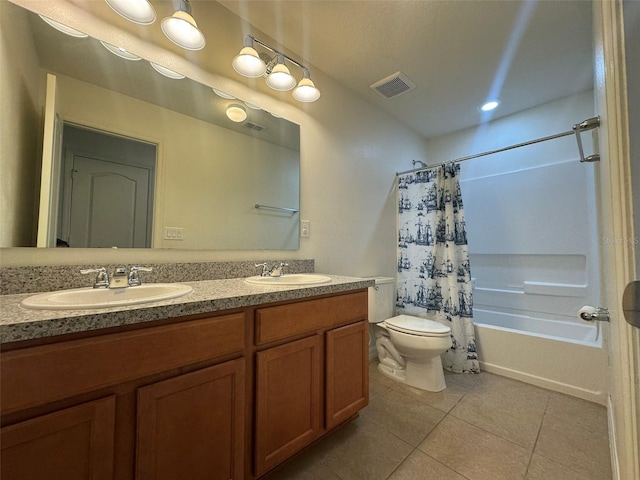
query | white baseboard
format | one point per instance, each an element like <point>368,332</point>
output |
<point>590,395</point>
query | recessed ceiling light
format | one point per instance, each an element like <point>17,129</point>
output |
<point>252,106</point>
<point>492,105</point>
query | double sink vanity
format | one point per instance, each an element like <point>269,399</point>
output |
<point>215,379</point>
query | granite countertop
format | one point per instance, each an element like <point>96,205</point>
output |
<point>18,323</point>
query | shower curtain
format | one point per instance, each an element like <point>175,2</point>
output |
<point>434,277</point>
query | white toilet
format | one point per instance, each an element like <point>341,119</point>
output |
<point>408,347</point>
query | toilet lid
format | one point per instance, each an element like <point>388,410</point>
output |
<point>417,326</point>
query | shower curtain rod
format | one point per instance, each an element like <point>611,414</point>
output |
<point>578,128</point>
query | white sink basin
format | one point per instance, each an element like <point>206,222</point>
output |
<point>289,280</point>
<point>90,298</point>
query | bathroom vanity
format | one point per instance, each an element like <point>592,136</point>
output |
<point>228,392</point>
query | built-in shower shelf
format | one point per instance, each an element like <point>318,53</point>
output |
<point>555,289</point>
<point>536,288</point>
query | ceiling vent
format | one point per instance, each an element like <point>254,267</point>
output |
<point>393,85</point>
<point>253,126</point>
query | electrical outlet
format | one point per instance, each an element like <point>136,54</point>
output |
<point>305,228</point>
<point>173,233</point>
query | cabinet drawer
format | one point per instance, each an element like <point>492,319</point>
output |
<point>39,375</point>
<point>283,321</point>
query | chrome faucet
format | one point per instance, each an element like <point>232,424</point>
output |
<point>134,275</point>
<point>275,271</point>
<point>102,276</point>
<point>279,270</point>
<point>266,272</point>
<point>120,277</point>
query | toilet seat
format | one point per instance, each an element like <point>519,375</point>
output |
<point>417,326</point>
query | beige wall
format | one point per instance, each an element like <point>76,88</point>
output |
<point>350,152</point>
<point>20,133</point>
<point>208,178</point>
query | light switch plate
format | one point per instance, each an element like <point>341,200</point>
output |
<point>305,228</point>
<point>173,233</point>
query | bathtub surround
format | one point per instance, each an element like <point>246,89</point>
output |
<point>434,276</point>
<point>532,277</point>
<point>32,279</point>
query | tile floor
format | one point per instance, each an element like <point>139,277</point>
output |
<point>482,427</point>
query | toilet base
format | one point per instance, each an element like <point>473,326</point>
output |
<point>396,374</point>
<point>425,375</point>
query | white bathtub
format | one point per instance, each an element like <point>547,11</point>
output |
<point>561,356</point>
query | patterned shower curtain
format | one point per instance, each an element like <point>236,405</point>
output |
<point>434,277</point>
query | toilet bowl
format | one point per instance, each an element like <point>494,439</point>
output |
<point>409,350</point>
<point>408,347</point>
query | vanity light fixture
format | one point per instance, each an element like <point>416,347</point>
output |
<point>280,78</point>
<point>120,52</point>
<point>306,91</point>
<point>236,113</point>
<point>491,105</point>
<point>167,72</point>
<point>136,11</point>
<point>248,63</point>
<point>181,28</point>
<point>251,64</point>
<point>63,28</point>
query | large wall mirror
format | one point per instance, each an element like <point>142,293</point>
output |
<point>144,160</point>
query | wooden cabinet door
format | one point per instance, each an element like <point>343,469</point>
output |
<point>192,426</point>
<point>71,444</point>
<point>347,372</point>
<point>288,409</point>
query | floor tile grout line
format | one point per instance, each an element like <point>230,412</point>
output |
<point>441,463</point>
<point>496,434</point>
<point>401,390</point>
<point>401,463</point>
<point>568,467</point>
<point>535,443</point>
<point>471,424</point>
<point>449,466</point>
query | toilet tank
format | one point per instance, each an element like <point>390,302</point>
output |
<point>382,299</point>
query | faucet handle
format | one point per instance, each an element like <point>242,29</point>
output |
<point>86,271</point>
<point>265,268</point>
<point>102,276</point>
<point>134,275</point>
